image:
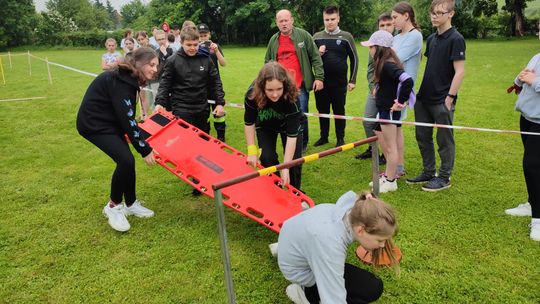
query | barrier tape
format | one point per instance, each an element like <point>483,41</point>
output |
<point>21,99</point>
<point>332,116</point>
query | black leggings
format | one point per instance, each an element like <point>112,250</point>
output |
<point>267,142</point>
<point>123,178</point>
<point>531,163</point>
<point>362,287</point>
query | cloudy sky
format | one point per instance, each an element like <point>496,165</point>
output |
<point>117,4</point>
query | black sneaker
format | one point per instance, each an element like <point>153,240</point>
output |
<point>437,184</point>
<point>320,142</point>
<point>364,155</point>
<point>422,178</point>
<point>382,160</point>
<point>340,142</point>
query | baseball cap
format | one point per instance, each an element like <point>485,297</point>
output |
<point>203,28</point>
<point>380,38</point>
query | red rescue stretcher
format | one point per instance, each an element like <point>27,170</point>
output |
<point>202,160</point>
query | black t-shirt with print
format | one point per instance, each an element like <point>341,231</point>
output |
<point>281,116</point>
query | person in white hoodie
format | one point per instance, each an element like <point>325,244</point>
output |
<point>528,104</point>
<point>313,249</point>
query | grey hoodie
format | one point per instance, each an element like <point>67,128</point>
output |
<point>528,102</point>
<point>313,248</point>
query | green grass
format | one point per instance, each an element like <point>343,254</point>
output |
<point>56,247</point>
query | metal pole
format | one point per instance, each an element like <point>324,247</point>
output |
<point>29,64</point>
<point>48,69</point>
<point>2,70</point>
<point>224,247</point>
<point>9,57</point>
<point>375,167</point>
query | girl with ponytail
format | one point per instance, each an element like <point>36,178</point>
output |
<point>312,249</point>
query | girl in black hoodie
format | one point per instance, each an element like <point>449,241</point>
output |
<point>106,114</point>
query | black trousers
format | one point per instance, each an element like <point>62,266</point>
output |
<point>199,119</point>
<point>267,142</point>
<point>531,163</point>
<point>334,97</point>
<point>219,126</point>
<point>123,178</point>
<point>361,285</point>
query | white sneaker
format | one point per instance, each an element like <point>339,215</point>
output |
<point>117,217</point>
<point>296,293</point>
<point>273,249</point>
<point>535,231</point>
<point>385,185</point>
<point>138,210</point>
<point>521,210</point>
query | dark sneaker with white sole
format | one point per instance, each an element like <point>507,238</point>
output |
<point>437,184</point>
<point>422,178</point>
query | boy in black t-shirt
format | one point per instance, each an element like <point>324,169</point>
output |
<point>436,100</point>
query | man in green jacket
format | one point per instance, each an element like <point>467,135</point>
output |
<point>294,48</point>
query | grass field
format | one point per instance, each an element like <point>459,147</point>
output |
<point>56,247</point>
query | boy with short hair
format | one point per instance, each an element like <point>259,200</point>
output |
<point>386,23</point>
<point>437,96</point>
<point>186,82</point>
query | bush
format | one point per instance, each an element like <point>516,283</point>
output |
<point>87,38</point>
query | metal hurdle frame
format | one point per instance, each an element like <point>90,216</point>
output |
<point>218,197</point>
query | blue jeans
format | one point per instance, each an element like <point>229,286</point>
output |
<point>303,99</point>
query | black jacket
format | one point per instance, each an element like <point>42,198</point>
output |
<point>186,81</point>
<point>108,107</point>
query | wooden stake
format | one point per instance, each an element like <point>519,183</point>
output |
<point>2,70</point>
<point>29,64</point>
<point>48,69</point>
<point>9,56</point>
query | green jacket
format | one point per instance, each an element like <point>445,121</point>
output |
<point>307,52</point>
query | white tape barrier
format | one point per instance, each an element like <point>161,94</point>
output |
<point>421,124</point>
<point>22,99</point>
<point>411,123</point>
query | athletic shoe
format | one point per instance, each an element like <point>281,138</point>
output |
<point>422,178</point>
<point>385,185</point>
<point>437,184</point>
<point>364,155</point>
<point>535,231</point>
<point>117,217</point>
<point>273,249</point>
<point>138,210</point>
<point>521,210</point>
<point>340,142</point>
<point>320,142</point>
<point>296,293</point>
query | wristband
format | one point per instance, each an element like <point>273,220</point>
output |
<point>252,150</point>
<point>454,97</point>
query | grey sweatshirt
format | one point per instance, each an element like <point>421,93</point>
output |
<point>528,102</point>
<point>313,248</point>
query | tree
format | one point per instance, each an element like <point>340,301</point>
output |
<point>84,14</point>
<point>516,8</point>
<point>17,20</point>
<point>133,13</point>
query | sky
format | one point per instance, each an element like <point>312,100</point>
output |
<point>117,4</point>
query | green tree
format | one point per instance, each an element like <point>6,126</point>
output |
<point>17,20</point>
<point>134,15</point>
<point>516,8</point>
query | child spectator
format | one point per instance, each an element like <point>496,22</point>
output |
<point>437,96</point>
<point>528,104</point>
<point>216,54</point>
<point>110,59</point>
<point>384,22</point>
<point>388,76</point>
